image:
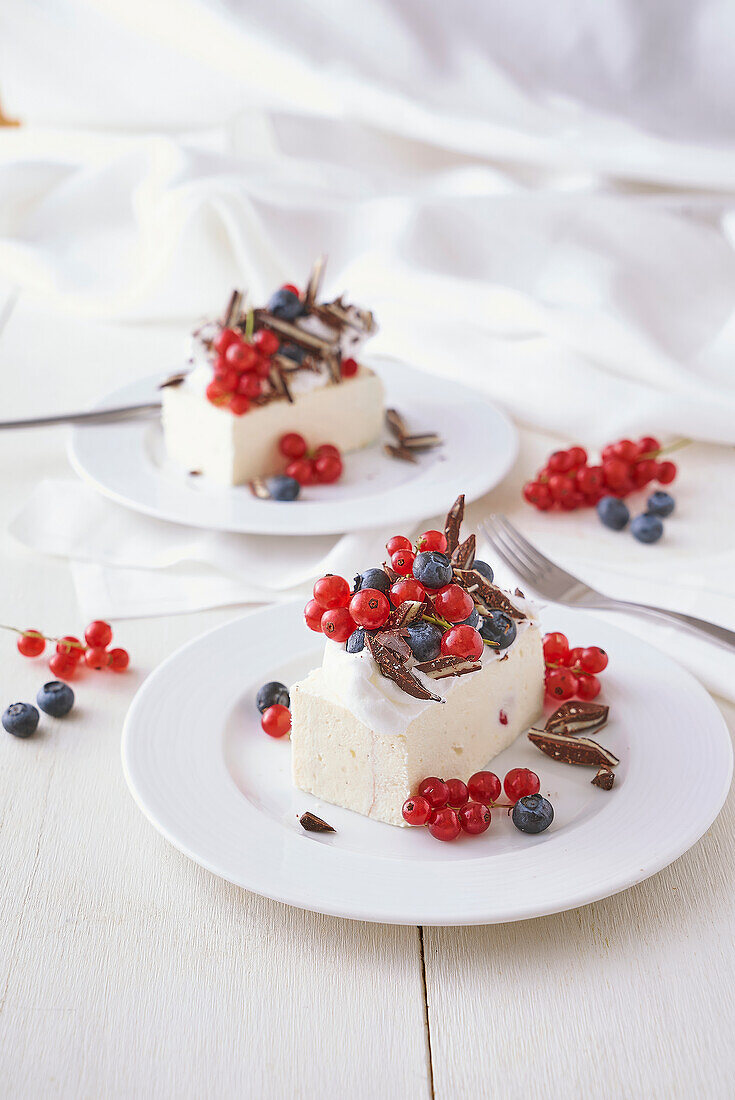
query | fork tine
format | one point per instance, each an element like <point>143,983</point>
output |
<point>513,563</point>
<point>516,539</point>
<point>512,548</point>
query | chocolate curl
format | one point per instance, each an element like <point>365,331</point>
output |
<point>455,515</point>
<point>395,669</point>
<point>333,366</point>
<point>314,282</point>
<point>232,312</point>
<point>572,750</point>
<point>293,333</point>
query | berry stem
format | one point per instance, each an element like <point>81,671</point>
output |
<point>249,325</point>
<point>46,637</point>
<point>438,621</point>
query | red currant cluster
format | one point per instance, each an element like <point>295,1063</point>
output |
<point>568,482</point>
<point>240,367</point>
<point>322,466</point>
<point>70,653</point>
<point>571,672</point>
<point>453,807</point>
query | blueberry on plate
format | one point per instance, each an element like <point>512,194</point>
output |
<point>373,578</point>
<point>432,569</point>
<point>425,640</point>
<point>473,619</point>
<point>498,628</point>
<point>613,513</point>
<point>20,719</point>
<point>484,569</point>
<point>292,351</point>
<point>282,487</point>
<point>660,504</point>
<point>647,528</point>
<point>271,694</point>
<point>55,698</point>
<point>533,813</point>
<point>356,641</point>
<point>285,304</point>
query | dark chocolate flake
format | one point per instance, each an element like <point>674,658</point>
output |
<point>400,452</point>
<point>172,381</point>
<point>572,750</point>
<point>464,555</point>
<point>421,441</point>
<point>391,666</point>
<point>314,824</point>
<point>487,596</point>
<point>453,522</point>
<point>604,779</point>
<point>442,667</point>
<point>396,423</point>
<point>395,640</point>
<point>578,716</point>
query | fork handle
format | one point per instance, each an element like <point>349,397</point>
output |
<point>711,631</point>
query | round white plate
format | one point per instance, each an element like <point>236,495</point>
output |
<point>219,789</point>
<point>127,462</point>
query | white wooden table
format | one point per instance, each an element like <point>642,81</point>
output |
<point>128,971</point>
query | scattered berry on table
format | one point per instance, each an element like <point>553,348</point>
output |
<point>444,824</point>
<point>71,648</point>
<point>660,504</point>
<point>292,445</point>
<point>425,640</point>
<point>462,641</point>
<point>369,608</point>
<point>499,629</point>
<point>285,304</point>
<point>432,569</point>
<point>276,720</point>
<point>338,624</point>
<point>432,540</point>
<point>474,818</point>
<point>458,794</point>
<point>373,578</point>
<point>282,487</point>
<point>119,659</point>
<point>31,643</point>
<point>98,633</point>
<point>416,811</point>
<point>20,719</point>
<point>613,513</point>
<point>271,693</point>
<point>62,666</point>
<point>532,814</point>
<point>332,591</point>
<point>435,791</point>
<point>356,641</point>
<point>647,528</point>
<point>520,782</point>
<point>484,570</point>
<point>55,698</point>
<point>96,657</point>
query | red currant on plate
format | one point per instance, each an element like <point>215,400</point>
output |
<point>574,656</point>
<point>577,457</point>
<point>327,449</point>
<point>98,634</point>
<point>458,794</point>
<point>484,787</point>
<point>453,603</point>
<point>462,641</point>
<point>313,616</point>
<point>338,624</point>
<point>227,380</point>
<point>432,540</point>
<point>474,818</point>
<point>616,473</point>
<point>588,686</point>
<point>349,368</point>
<point>593,659</point>
<point>560,462</point>
<point>538,494</point>
<point>31,643</point>
<point>96,657</point>
<point>328,469</point>
<point>408,589</point>
<point>625,449</point>
<point>332,591</point>
<point>369,608</point>
<point>276,720</point>
<point>648,445</point>
<point>556,647</point>
<point>302,470</point>
<point>119,659</point>
<point>435,791</point>
<point>560,683</point>
<point>416,811</point>
<point>398,542</point>
<point>444,824</point>
<point>519,782</point>
<point>402,562</point>
<point>666,472</point>
<point>266,342</point>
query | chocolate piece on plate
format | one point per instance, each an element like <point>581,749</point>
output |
<point>604,779</point>
<point>578,716</point>
<point>572,750</point>
<point>442,667</point>
<point>396,423</point>
<point>259,489</point>
<point>453,522</point>
<point>398,451</point>
<point>314,824</point>
<point>421,441</point>
<point>396,670</point>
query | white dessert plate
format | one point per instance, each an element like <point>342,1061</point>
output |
<point>127,462</point>
<point>219,789</point>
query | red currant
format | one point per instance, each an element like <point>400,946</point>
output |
<point>626,450</point>
<point>327,449</point>
<point>369,608</point>
<point>31,643</point>
<point>261,366</point>
<point>519,782</point>
<point>227,380</point>
<point>62,666</point>
<point>249,386</point>
<point>224,338</point>
<point>239,404</point>
<point>556,647</point>
<point>328,469</point>
<point>216,394</point>
<point>398,542</point>
<point>432,540</point>
<point>590,479</point>
<point>294,289</point>
<point>617,473</point>
<point>444,824</point>
<point>98,633</point>
<point>577,456</point>
<point>474,818</point>
<point>608,452</point>
<point>241,356</point>
<point>457,792</point>
<point>332,591</point>
<point>71,648</point>
<point>560,462</point>
<point>276,720</point>
<point>644,471</point>
<point>119,659</point>
<point>338,624</point>
<point>402,562</point>
<point>453,603</point>
<point>96,657</point>
<point>435,791</point>
<point>560,683</point>
<point>313,616</point>
<point>593,659</point>
<point>407,590</point>
<point>266,342</point>
<point>416,811</point>
<point>302,469</point>
<point>666,472</point>
<point>648,445</point>
<point>588,686</point>
<point>462,641</point>
<point>573,657</point>
<point>539,495</point>
<point>562,489</point>
<point>349,368</point>
<point>484,787</point>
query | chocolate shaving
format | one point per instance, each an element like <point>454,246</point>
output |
<point>572,750</point>
<point>390,573</point>
<point>396,424</point>
<point>577,717</point>
<point>314,824</point>
<point>464,554</point>
<point>441,667</point>
<point>400,452</point>
<point>407,612</point>
<point>453,522</point>
<point>315,281</point>
<point>422,441</point>
<point>172,380</point>
<point>395,640</point>
<point>394,668</point>
<point>604,779</point>
<point>333,366</point>
<point>487,596</point>
<point>195,473</point>
<point>294,334</point>
<point>259,489</point>
<point>232,312</point>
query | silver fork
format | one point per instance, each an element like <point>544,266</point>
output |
<point>554,583</point>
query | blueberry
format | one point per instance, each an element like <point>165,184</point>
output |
<point>55,698</point>
<point>660,504</point>
<point>373,578</point>
<point>285,304</point>
<point>613,513</point>
<point>20,719</point>
<point>293,351</point>
<point>271,693</point>
<point>472,620</point>
<point>425,640</point>
<point>533,814</point>
<point>499,628</point>
<point>356,641</point>
<point>647,528</point>
<point>485,569</point>
<point>432,569</point>
<point>282,487</point>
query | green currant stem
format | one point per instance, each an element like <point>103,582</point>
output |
<point>437,621</point>
<point>249,325</point>
<point>46,637</point>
